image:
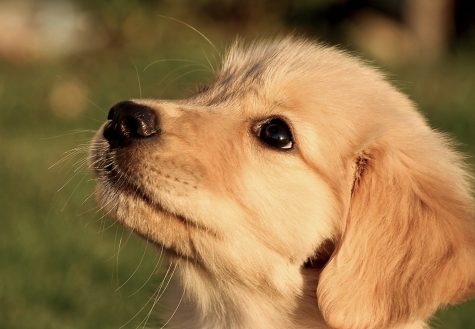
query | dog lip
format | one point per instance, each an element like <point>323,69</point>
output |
<point>123,183</point>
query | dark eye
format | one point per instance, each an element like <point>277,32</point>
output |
<point>276,133</point>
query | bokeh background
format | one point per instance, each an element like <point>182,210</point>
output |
<point>64,63</point>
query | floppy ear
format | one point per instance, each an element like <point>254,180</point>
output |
<point>408,246</point>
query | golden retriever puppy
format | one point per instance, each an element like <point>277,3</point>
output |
<point>298,190</point>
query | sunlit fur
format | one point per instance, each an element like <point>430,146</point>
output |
<point>239,219</point>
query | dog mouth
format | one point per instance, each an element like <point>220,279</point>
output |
<point>116,179</point>
<point>122,182</point>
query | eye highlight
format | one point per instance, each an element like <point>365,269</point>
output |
<point>276,133</point>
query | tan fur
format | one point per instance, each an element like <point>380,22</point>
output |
<point>239,219</point>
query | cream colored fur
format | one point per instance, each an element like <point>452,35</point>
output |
<point>240,219</point>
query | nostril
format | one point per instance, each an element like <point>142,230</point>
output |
<point>109,132</point>
<point>130,121</point>
<point>143,123</point>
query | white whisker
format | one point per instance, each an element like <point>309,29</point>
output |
<point>146,303</point>
<point>157,299</point>
<point>176,309</point>
<point>174,60</point>
<point>192,28</point>
<point>72,193</point>
<point>138,80</point>
<point>207,59</point>
<point>157,263</point>
<point>136,268</point>
<point>180,77</point>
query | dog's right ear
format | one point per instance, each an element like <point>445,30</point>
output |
<point>408,246</point>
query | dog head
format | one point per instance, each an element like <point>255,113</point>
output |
<point>293,152</point>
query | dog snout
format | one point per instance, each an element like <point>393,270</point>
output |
<point>129,122</point>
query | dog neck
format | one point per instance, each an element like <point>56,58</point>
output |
<point>194,300</point>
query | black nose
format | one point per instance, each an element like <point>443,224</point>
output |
<point>130,121</point>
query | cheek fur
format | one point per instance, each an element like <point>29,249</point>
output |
<point>292,207</point>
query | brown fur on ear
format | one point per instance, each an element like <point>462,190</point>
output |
<point>408,245</point>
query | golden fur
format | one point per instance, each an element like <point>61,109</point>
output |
<point>381,200</point>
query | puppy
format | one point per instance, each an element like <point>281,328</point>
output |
<point>298,190</point>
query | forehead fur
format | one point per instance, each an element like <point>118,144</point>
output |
<point>264,66</point>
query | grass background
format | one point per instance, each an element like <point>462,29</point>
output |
<point>62,264</point>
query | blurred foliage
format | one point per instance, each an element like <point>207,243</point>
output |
<point>63,264</point>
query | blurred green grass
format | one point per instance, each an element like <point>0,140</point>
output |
<point>58,255</point>
<point>59,262</point>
